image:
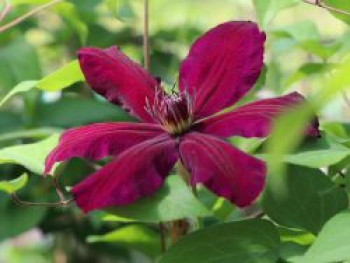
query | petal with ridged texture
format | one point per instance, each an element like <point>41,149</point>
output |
<point>254,119</point>
<point>223,169</point>
<point>96,141</point>
<point>120,80</point>
<point>137,172</point>
<point>222,66</point>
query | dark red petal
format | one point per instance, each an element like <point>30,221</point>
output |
<point>136,173</point>
<point>223,169</point>
<point>120,80</point>
<point>222,66</point>
<point>254,119</point>
<point>99,140</point>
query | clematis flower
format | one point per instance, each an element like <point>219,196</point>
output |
<point>186,126</point>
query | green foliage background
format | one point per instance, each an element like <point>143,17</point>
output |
<point>305,206</point>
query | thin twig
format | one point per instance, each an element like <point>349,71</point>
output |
<point>63,201</point>
<point>162,232</point>
<point>5,11</point>
<point>20,202</point>
<point>321,4</point>
<point>27,15</point>
<point>58,190</point>
<point>146,51</point>
<point>147,60</point>
<point>178,229</point>
<point>258,214</point>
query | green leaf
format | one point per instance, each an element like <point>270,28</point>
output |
<point>173,201</point>
<point>324,51</point>
<point>291,135</point>
<point>28,2</point>
<point>315,153</point>
<point>10,121</point>
<point>347,180</point>
<point>40,133</point>
<point>32,156</point>
<point>15,220</point>
<point>302,198</point>
<point>137,237</point>
<point>341,166</point>
<point>70,15</point>
<point>335,129</point>
<point>19,62</point>
<point>274,76</point>
<point>299,237</point>
<point>250,241</point>
<point>62,78</point>
<point>299,32</point>
<point>249,145</point>
<point>74,111</point>
<point>292,252</point>
<point>267,10</point>
<point>337,82</point>
<point>222,209</point>
<point>341,5</point>
<point>67,11</point>
<point>333,242</point>
<point>58,80</point>
<point>318,158</point>
<point>14,185</point>
<point>122,9</point>
<point>305,71</point>
<point>21,87</point>
<point>306,36</point>
<point>261,82</point>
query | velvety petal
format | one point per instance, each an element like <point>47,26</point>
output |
<point>136,173</point>
<point>120,80</point>
<point>254,119</point>
<point>96,141</point>
<point>222,66</point>
<point>223,169</point>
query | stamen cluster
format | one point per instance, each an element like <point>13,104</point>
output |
<point>173,112</point>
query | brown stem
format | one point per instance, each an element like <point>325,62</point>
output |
<point>63,201</point>
<point>258,214</point>
<point>58,190</point>
<point>27,15</point>
<point>183,173</point>
<point>162,231</point>
<point>20,202</point>
<point>146,51</point>
<point>178,229</point>
<point>181,227</point>
<point>321,4</point>
<point>147,61</point>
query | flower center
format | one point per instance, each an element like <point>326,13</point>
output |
<point>173,112</point>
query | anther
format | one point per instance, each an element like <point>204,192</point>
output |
<point>173,112</point>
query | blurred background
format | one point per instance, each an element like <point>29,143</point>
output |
<point>304,42</point>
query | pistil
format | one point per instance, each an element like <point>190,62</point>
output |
<point>173,112</point>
